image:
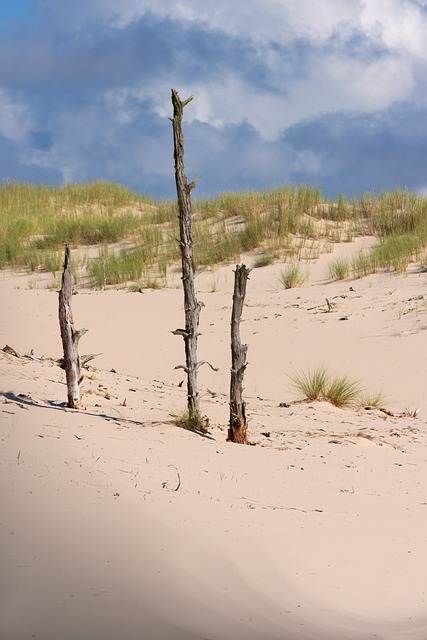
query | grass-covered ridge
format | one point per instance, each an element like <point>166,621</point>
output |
<point>34,220</point>
<point>136,237</point>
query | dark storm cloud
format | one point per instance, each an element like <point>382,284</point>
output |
<point>366,152</point>
<point>92,98</point>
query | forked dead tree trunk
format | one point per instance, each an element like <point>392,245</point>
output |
<point>70,337</point>
<point>237,431</point>
<point>191,305</point>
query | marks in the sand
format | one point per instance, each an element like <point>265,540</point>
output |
<point>295,439</point>
<point>253,504</point>
<point>273,428</point>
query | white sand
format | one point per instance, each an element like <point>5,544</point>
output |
<point>319,532</point>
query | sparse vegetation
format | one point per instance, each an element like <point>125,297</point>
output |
<point>410,412</point>
<point>343,391</point>
<point>311,384</point>
<point>339,390</point>
<point>373,400</point>
<point>362,265</point>
<point>290,223</point>
<point>339,269</point>
<point>292,276</point>
<point>192,422</point>
<point>263,260</point>
<point>36,218</point>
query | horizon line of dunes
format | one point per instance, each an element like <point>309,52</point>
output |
<point>136,236</point>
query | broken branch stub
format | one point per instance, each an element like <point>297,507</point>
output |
<point>237,431</point>
<point>70,336</point>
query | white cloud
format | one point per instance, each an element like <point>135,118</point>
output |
<point>400,25</point>
<point>396,24</point>
<point>358,56</point>
<point>331,80</point>
<point>261,20</point>
<point>16,121</point>
<point>333,83</point>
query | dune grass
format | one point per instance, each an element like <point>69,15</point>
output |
<point>290,223</point>
<point>340,390</point>
<point>195,422</point>
<point>263,260</point>
<point>292,276</point>
<point>37,218</point>
<point>311,384</point>
<point>124,265</point>
<point>372,400</point>
<point>339,269</point>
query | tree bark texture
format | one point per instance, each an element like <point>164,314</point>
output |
<point>237,431</point>
<point>70,337</point>
<point>191,305</point>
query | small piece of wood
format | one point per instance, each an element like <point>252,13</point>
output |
<point>70,336</point>
<point>11,351</point>
<point>84,360</point>
<point>237,431</point>
<point>191,305</point>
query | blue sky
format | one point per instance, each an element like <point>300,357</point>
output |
<point>329,93</point>
<point>15,9</point>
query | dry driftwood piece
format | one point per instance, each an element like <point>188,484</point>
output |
<point>70,336</point>
<point>192,306</point>
<point>11,351</point>
<point>237,431</point>
<point>84,360</point>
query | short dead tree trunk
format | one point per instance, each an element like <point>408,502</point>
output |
<point>192,306</point>
<point>70,337</point>
<point>237,431</point>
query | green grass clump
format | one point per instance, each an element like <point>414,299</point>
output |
<point>127,265</point>
<point>89,229</point>
<point>363,264</point>
<point>339,269</point>
<point>373,400</point>
<point>264,260</point>
<point>149,283</point>
<point>211,248</point>
<point>100,192</point>
<point>311,384</point>
<point>192,422</point>
<point>292,276</point>
<point>396,252</point>
<point>342,391</point>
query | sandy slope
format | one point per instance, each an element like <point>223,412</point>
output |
<point>116,524</point>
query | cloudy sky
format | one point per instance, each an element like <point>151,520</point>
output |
<point>326,92</point>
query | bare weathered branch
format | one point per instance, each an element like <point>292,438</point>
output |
<point>78,334</point>
<point>237,431</point>
<point>181,366</point>
<point>88,357</point>
<point>202,362</point>
<point>180,332</point>
<point>70,336</point>
<point>191,305</point>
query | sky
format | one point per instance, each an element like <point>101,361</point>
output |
<point>12,9</point>
<point>331,93</point>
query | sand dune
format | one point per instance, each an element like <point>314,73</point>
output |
<point>117,524</point>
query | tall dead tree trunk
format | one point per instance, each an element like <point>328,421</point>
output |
<point>70,337</point>
<point>191,305</point>
<point>237,431</point>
